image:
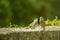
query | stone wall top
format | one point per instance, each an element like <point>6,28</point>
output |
<point>11,30</point>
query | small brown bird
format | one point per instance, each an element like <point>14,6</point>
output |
<point>42,22</point>
<point>35,22</point>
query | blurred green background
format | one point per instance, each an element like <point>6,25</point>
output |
<point>23,12</point>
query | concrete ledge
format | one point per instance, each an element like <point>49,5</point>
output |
<point>10,30</point>
<point>50,33</point>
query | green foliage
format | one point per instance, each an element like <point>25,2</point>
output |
<point>54,22</point>
<point>10,25</point>
<point>48,22</point>
<point>23,12</point>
